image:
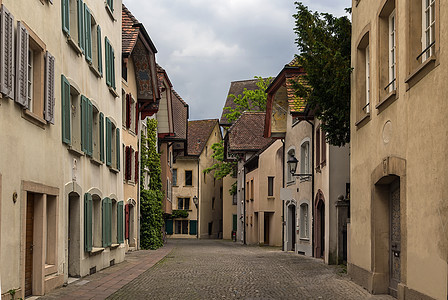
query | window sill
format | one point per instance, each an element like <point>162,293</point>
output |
<point>130,182</point>
<point>304,239</point>
<point>421,71</point>
<point>95,70</point>
<point>74,45</point>
<point>110,12</point>
<point>113,92</point>
<point>113,170</point>
<point>386,101</point>
<point>114,246</point>
<point>35,119</point>
<point>95,161</point>
<point>271,198</point>
<point>363,121</point>
<point>75,151</point>
<point>96,250</point>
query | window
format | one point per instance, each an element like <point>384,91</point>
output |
<point>270,186</point>
<point>120,222</point>
<point>323,149</point>
<point>71,114</point>
<point>362,79</point>
<point>392,52</point>
<point>289,176</point>
<point>94,212</point>
<point>429,28</point>
<point>98,134</point>
<point>130,164</point>
<point>304,227</point>
<point>107,222</point>
<point>252,189</point>
<point>93,43</point>
<point>247,191</point>
<point>213,202</point>
<point>110,5</point>
<point>86,125</point>
<point>110,64</point>
<point>305,158</point>
<point>174,177</point>
<point>130,114</point>
<point>183,203</point>
<point>74,23</point>
<point>188,178</point>
<point>318,147</point>
<point>7,53</point>
<point>234,199</point>
<point>112,145</point>
<point>34,80</point>
<point>181,227</point>
<point>124,102</point>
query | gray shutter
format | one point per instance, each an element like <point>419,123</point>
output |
<point>22,65</point>
<point>6,53</point>
<point>49,87</point>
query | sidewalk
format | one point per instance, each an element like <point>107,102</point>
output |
<point>107,281</point>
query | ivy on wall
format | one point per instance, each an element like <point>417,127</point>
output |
<point>151,197</point>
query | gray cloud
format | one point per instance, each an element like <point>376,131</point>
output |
<point>204,45</point>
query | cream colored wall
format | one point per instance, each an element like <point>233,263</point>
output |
<point>208,190</point>
<point>252,211</point>
<point>166,174</point>
<point>29,152</point>
<point>416,132</point>
<point>162,113</point>
<point>228,209</point>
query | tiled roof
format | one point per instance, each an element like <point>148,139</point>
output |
<point>237,88</point>
<point>180,116</point>
<point>198,134</point>
<point>246,134</point>
<point>296,104</point>
<point>129,32</point>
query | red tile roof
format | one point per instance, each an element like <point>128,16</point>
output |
<point>198,134</point>
<point>180,116</point>
<point>246,134</point>
<point>129,32</point>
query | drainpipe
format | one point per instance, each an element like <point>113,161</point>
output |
<point>283,201</point>
<point>244,205</point>
<point>312,184</point>
<point>199,198</point>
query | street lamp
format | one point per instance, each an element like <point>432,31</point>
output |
<point>292,166</point>
<point>196,203</point>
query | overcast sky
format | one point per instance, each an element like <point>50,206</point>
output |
<point>205,44</point>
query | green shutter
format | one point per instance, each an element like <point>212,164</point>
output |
<point>108,142</point>
<point>89,127</point>
<point>84,124</point>
<point>104,222</point>
<point>193,227</point>
<point>111,4</point>
<point>65,5</point>
<point>81,25</point>
<point>109,223</point>
<point>100,55</point>
<point>88,33</point>
<point>169,226</point>
<point>88,205</point>
<point>235,220</point>
<point>118,143</point>
<point>120,237</point>
<point>102,137</point>
<point>107,61</point>
<point>65,99</point>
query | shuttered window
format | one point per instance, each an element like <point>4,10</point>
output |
<point>81,25</point>
<point>22,48</point>
<point>107,222</point>
<point>99,53</point>
<point>86,125</point>
<point>6,53</point>
<point>120,229</point>
<point>137,173</point>
<point>102,137</point>
<point>110,3</point>
<point>65,105</point>
<point>193,227</point>
<point>117,147</point>
<point>110,63</point>
<point>65,5</point>
<point>88,33</point>
<point>108,142</point>
<point>88,207</point>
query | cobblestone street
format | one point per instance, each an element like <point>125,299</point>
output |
<point>215,269</point>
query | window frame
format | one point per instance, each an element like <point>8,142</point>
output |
<point>186,178</point>
<point>270,186</point>
<point>363,59</point>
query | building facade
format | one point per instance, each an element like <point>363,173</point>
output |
<point>398,149</point>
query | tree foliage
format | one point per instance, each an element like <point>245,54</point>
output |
<point>221,168</point>
<point>249,100</point>
<point>324,44</point>
<point>151,223</point>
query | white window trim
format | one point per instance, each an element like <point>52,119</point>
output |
<point>428,27</point>
<point>392,51</point>
<point>367,52</point>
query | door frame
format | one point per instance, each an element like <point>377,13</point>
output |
<point>319,222</point>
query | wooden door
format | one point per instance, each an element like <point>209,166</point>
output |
<point>127,220</point>
<point>395,239</point>
<point>29,245</point>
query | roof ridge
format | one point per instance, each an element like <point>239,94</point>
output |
<point>128,12</point>
<point>180,98</point>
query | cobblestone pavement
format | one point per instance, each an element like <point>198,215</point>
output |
<point>216,269</point>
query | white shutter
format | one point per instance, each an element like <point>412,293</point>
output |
<point>6,53</point>
<point>22,65</point>
<point>49,87</point>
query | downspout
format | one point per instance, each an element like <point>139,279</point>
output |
<point>199,178</point>
<point>312,185</point>
<point>139,135</point>
<point>244,205</point>
<point>283,201</point>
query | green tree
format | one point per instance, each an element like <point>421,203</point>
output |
<point>249,100</point>
<point>324,44</point>
<point>151,222</point>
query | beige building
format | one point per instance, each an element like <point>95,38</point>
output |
<point>314,192</point>
<point>398,241</point>
<point>139,100</point>
<point>65,217</point>
<point>190,181</point>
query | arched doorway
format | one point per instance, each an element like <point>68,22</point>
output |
<point>291,227</point>
<point>319,225</point>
